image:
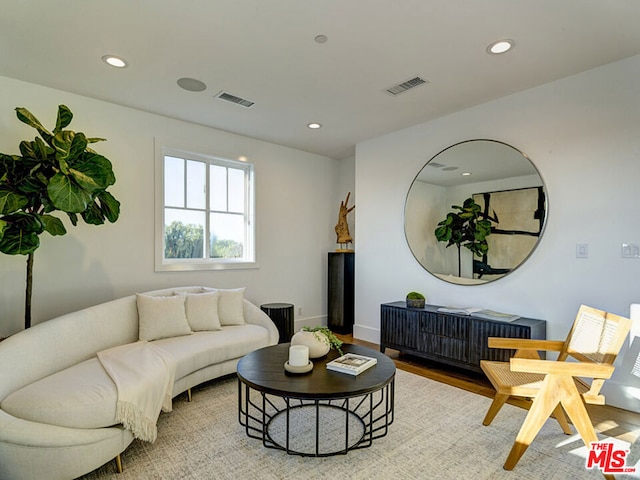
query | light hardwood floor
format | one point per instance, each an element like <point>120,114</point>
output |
<point>611,421</point>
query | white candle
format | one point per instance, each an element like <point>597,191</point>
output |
<point>299,356</point>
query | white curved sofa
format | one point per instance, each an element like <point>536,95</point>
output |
<point>56,400</point>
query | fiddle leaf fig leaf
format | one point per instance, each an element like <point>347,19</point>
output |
<point>93,215</point>
<point>31,185</point>
<point>93,172</point>
<point>67,195</point>
<point>25,116</point>
<point>62,143</point>
<point>27,149</point>
<point>64,118</point>
<point>10,201</point>
<point>53,225</point>
<point>109,206</point>
<point>21,234</point>
<point>74,218</point>
<point>42,150</point>
<point>443,233</point>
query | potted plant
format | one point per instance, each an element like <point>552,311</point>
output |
<point>319,339</point>
<point>466,227</point>
<point>415,300</point>
<point>57,171</point>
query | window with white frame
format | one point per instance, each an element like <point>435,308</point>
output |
<point>206,211</point>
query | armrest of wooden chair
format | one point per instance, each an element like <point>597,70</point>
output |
<point>525,344</point>
<point>574,369</point>
<point>525,347</point>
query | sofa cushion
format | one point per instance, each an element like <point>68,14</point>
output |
<point>81,396</point>
<point>162,317</point>
<point>202,311</point>
<point>230,305</point>
<point>202,349</point>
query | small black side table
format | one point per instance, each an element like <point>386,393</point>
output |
<point>282,316</point>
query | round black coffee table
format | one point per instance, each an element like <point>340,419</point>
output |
<point>320,413</point>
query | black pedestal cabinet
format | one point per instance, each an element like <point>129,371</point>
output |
<point>282,316</point>
<point>340,308</point>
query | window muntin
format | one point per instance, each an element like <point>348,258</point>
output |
<point>207,208</point>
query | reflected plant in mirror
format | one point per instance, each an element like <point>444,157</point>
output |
<point>466,226</point>
<point>500,221</point>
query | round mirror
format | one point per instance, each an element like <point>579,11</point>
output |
<point>475,212</point>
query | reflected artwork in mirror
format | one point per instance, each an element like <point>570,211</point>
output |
<point>475,212</point>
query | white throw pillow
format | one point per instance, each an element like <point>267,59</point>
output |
<point>202,311</point>
<point>230,305</point>
<point>161,317</point>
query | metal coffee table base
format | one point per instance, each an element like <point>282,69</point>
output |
<point>316,427</point>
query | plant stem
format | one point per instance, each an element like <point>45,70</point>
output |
<point>27,300</point>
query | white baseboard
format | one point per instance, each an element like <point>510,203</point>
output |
<point>367,334</point>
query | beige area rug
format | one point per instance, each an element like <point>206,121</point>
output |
<point>437,434</point>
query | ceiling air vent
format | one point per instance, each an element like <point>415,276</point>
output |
<point>404,86</point>
<point>233,99</point>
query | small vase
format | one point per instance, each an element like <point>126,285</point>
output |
<point>317,342</point>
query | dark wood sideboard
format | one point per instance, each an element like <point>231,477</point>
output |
<point>453,339</point>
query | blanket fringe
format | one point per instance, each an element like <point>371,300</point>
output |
<point>134,420</point>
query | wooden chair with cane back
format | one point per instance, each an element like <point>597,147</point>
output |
<point>557,386</point>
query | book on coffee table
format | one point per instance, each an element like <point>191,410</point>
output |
<point>351,363</point>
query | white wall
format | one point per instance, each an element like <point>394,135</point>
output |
<point>295,196</point>
<point>583,134</point>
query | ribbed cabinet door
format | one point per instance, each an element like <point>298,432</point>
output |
<point>445,336</point>
<point>481,330</point>
<point>399,327</point>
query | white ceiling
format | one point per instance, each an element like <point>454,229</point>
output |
<point>264,51</point>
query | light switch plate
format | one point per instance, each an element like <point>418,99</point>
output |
<point>630,250</point>
<point>582,250</point>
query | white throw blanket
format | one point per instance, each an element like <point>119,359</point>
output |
<point>144,375</point>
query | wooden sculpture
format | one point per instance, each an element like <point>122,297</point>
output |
<point>342,227</point>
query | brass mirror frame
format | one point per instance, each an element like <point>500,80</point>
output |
<point>533,170</point>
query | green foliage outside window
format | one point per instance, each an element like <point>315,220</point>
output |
<point>186,241</point>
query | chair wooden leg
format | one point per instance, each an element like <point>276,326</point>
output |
<point>118,464</point>
<point>559,415</point>
<point>188,394</point>
<point>575,408</point>
<point>498,401</point>
<point>541,408</point>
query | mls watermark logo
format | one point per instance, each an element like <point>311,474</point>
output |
<point>606,457</point>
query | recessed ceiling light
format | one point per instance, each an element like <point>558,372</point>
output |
<point>500,46</point>
<point>191,84</point>
<point>114,61</point>
<point>314,126</point>
<point>466,174</point>
<point>321,39</point>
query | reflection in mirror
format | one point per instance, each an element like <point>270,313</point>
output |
<point>475,212</point>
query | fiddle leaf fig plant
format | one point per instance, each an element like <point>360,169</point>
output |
<point>467,227</point>
<point>56,172</point>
